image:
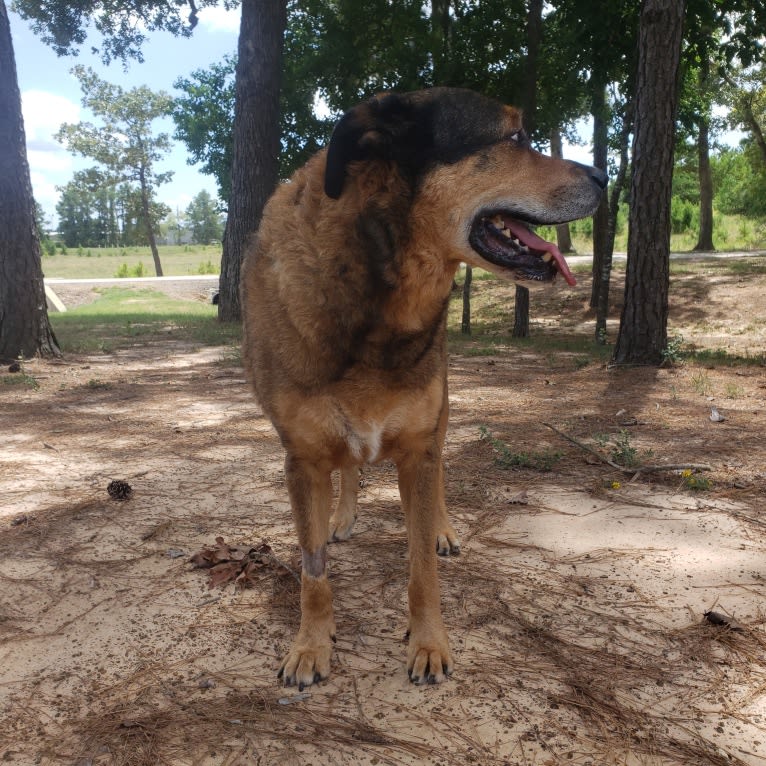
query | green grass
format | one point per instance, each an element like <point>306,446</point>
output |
<point>122,317</point>
<point>108,262</point>
<point>730,232</point>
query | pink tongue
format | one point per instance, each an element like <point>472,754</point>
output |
<point>530,239</point>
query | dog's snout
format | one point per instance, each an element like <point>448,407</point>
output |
<point>598,176</point>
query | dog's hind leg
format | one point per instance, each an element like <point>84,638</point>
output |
<point>446,538</point>
<point>342,521</point>
<point>447,541</point>
<point>310,491</point>
<point>429,659</point>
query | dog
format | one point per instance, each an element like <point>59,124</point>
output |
<point>344,296</point>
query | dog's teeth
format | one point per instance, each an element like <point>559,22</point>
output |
<point>547,256</point>
<point>498,221</point>
<point>506,233</point>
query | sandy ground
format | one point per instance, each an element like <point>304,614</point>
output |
<point>576,609</point>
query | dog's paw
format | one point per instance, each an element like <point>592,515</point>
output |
<point>429,660</point>
<point>341,527</point>
<point>447,542</point>
<point>306,665</point>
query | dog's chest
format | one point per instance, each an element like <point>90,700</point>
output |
<point>364,441</point>
<point>360,424</point>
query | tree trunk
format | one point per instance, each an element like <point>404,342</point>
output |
<point>25,330</point>
<point>534,35</point>
<point>441,29</point>
<point>643,324</point>
<point>146,212</point>
<point>599,110</point>
<point>605,276</point>
<point>465,325</point>
<point>521,318</point>
<point>563,235</point>
<point>705,238</point>
<point>255,167</point>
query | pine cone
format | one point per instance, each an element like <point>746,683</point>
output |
<point>119,490</point>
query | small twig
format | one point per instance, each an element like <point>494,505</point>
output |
<point>637,469</point>
<point>282,564</point>
<point>674,467</point>
<point>588,449</point>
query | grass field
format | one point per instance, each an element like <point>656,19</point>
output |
<point>122,317</point>
<point>108,262</point>
<point>731,233</point>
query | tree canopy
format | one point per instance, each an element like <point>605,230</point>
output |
<point>124,24</point>
<point>123,144</point>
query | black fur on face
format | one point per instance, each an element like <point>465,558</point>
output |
<point>414,130</point>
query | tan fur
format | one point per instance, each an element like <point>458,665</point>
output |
<point>345,337</point>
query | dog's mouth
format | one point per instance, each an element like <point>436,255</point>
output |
<point>509,244</point>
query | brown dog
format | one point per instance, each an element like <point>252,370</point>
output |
<point>345,298</point>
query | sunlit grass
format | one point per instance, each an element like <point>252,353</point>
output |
<point>109,262</point>
<point>122,317</point>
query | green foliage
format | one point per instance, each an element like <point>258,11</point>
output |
<point>122,25</point>
<point>543,460</point>
<point>623,452</point>
<point>125,147</point>
<point>125,271</point>
<point>695,482</point>
<point>205,112</point>
<point>204,219</point>
<point>739,178</point>
<point>684,216</point>
<point>203,117</point>
<point>20,378</point>
<point>208,268</point>
<point>673,352</point>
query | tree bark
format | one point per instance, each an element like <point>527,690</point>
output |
<point>599,110</point>
<point>148,223</point>
<point>534,35</point>
<point>605,276</point>
<point>643,324</point>
<point>441,33</point>
<point>563,235</point>
<point>255,167</point>
<point>25,330</point>
<point>705,238</point>
<point>465,325</point>
<point>521,319</point>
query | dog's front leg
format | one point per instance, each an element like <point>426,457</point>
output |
<point>429,659</point>
<point>310,490</point>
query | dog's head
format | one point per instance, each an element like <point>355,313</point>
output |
<point>468,160</point>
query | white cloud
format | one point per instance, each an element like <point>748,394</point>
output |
<point>49,161</point>
<point>50,165</point>
<point>44,112</point>
<point>219,19</point>
<point>45,192</point>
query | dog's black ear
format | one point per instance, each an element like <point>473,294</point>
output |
<point>370,130</point>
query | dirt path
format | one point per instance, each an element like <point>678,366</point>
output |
<point>575,611</point>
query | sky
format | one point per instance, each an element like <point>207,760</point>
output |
<point>51,95</point>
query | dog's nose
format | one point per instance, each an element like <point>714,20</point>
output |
<point>599,177</point>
